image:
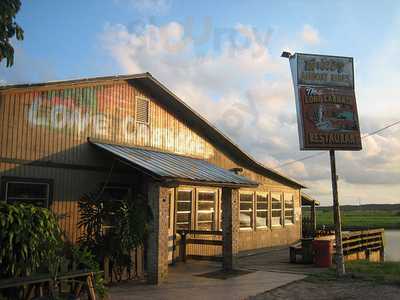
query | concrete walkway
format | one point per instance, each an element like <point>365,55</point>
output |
<point>184,283</point>
<point>275,260</point>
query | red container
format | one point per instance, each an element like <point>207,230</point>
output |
<point>322,253</point>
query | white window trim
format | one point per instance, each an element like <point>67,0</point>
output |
<point>251,227</point>
<point>292,222</point>
<point>214,210</point>
<point>266,194</point>
<point>281,210</point>
<point>187,190</point>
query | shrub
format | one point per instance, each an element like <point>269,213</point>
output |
<point>126,228</point>
<point>29,235</point>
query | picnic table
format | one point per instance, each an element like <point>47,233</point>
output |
<point>36,283</point>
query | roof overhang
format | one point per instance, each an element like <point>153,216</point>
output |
<point>307,200</point>
<point>173,169</point>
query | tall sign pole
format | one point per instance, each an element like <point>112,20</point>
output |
<point>340,268</point>
<point>327,116</point>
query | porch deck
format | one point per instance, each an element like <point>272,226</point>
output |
<point>268,270</point>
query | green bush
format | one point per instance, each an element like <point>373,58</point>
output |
<point>126,223</point>
<point>29,235</point>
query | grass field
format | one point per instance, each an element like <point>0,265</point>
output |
<point>362,217</point>
<point>386,272</point>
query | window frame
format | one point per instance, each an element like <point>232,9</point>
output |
<point>267,210</point>
<point>191,221</point>
<point>272,209</point>
<point>215,208</point>
<point>288,209</point>
<point>136,110</point>
<point>27,180</point>
<point>116,186</point>
<point>251,227</point>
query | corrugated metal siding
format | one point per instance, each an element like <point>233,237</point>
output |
<point>23,139</point>
<point>168,165</point>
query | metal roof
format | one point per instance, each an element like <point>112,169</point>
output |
<point>173,167</point>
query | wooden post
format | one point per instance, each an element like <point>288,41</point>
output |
<point>313,218</point>
<point>183,246</point>
<point>339,259</point>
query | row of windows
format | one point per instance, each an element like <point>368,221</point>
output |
<point>254,209</point>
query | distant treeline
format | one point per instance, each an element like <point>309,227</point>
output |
<point>365,207</point>
<point>362,216</point>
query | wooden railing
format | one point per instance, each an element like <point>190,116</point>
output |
<point>200,244</point>
<point>365,241</point>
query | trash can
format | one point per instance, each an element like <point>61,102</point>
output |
<point>306,246</point>
<point>322,253</point>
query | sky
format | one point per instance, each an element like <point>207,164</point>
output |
<point>223,59</point>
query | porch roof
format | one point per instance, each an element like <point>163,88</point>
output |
<point>307,200</point>
<point>171,167</point>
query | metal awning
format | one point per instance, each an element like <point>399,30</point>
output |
<point>175,168</point>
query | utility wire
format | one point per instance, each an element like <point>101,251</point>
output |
<point>320,153</point>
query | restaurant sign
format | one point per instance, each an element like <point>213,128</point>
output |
<point>325,102</point>
<point>323,70</point>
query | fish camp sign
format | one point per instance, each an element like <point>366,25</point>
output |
<point>325,102</point>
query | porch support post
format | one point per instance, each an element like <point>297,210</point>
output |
<point>157,241</point>
<point>313,219</point>
<point>230,228</point>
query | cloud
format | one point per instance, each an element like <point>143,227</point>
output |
<point>247,93</point>
<point>153,7</point>
<point>310,35</point>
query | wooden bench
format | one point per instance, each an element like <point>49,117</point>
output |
<point>36,282</point>
<point>295,250</point>
<point>303,248</point>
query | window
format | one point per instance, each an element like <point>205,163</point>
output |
<point>142,110</point>
<point>30,191</point>
<point>113,197</point>
<point>289,208</point>
<point>262,210</point>
<point>246,210</point>
<point>205,210</point>
<point>184,210</point>
<point>276,219</point>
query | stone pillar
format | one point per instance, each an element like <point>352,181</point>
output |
<point>230,227</point>
<point>157,241</point>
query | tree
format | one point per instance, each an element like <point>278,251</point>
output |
<point>8,29</point>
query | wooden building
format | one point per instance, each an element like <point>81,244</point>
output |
<point>62,139</point>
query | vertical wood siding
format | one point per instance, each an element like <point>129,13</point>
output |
<point>51,124</point>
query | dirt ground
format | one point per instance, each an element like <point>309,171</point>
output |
<point>329,290</point>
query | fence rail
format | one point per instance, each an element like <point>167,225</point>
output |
<point>200,244</point>
<point>363,241</point>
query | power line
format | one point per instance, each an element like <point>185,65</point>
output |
<point>320,153</point>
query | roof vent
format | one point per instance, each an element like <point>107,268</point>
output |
<point>237,170</point>
<point>142,110</point>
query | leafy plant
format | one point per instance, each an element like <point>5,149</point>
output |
<point>8,29</point>
<point>113,227</point>
<point>83,258</point>
<point>29,235</point>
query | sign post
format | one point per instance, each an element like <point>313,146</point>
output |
<point>326,116</point>
<point>340,269</point>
